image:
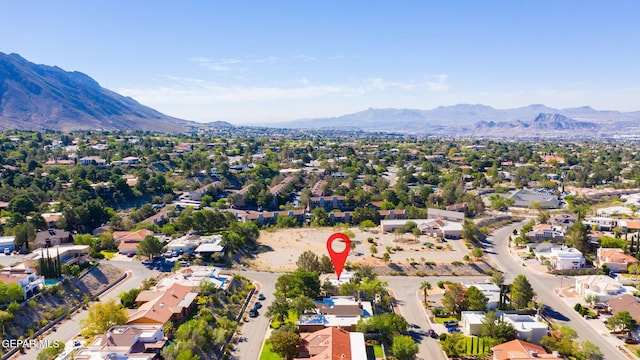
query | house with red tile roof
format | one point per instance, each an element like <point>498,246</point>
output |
<point>615,259</point>
<point>158,307</point>
<point>626,302</point>
<point>521,350</point>
<point>332,343</point>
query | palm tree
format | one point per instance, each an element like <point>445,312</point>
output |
<point>425,286</point>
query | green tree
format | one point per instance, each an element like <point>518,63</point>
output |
<point>577,237</point>
<point>279,309</point>
<point>128,298</point>
<point>150,246</point>
<point>474,300</point>
<point>5,317</point>
<point>493,327</point>
<point>302,305</point>
<point>101,317</point>
<point>285,343</point>
<point>453,298</point>
<point>52,351</point>
<point>477,252</point>
<point>386,257</point>
<point>590,351</point>
<point>454,345</point>
<point>308,261</point>
<point>621,321</point>
<point>521,293</point>
<point>389,325</point>
<point>404,348</point>
<point>374,250</point>
<point>366,225</point>
<point>561,339</point>
<point>425,286</point>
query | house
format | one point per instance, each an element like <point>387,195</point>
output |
<point>471,322</point>
<point>128,241</point>
<point>543,232</point>
<point>562,258</point>
<point>69,254</point>
<point>626,302</point>
<point>431,227</point>
<point>614,259</point>
<point>30,282</point>
<point>600,223</point>
<point>453,216</point>
<point>521,350</point>
<point>563,220</point>
<point>332,343</point>
<point>92,160</point>
<point>139,342</point>
<point>488,289</point>
<point>52,237</point>
<point>157,307</point>
<point>602,286</point>
<point>527,327</point>
<point>335,202</point>
<point>210,245</point>
<point>194,276</point>
<point>51,218</point>
<point>7,242</point>
<point>342,311</point>
<point>526,199</point>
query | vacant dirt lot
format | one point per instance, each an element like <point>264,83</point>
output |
<point>281,248</point>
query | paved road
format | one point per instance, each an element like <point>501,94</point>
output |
<point>409,300</point>
<point>256,330</point>
<point>69,329</point>
<point>544,285</point>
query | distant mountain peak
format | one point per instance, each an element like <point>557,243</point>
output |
<point>39,97</point>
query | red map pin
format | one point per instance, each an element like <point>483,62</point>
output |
<point>338,258</point>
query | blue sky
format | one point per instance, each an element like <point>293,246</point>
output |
<point>263,61</point>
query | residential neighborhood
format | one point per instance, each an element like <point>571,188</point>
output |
<point>206,214</point>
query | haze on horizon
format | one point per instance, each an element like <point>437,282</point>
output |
<point>259,62</point>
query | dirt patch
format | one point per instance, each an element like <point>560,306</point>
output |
<point>280,249</point>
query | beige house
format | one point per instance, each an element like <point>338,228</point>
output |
<point>615,259</point>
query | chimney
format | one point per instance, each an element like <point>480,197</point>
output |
<point>556,353</point>
<point>533,354</point>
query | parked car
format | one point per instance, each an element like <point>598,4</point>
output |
<point>147,262</point>
<point>261,297</point>
<point>450,323</point>
<point>453,330</point>
<point>130,255</point>
<point>253,313</point>
<point>630,340</point>
<point>257,305</point>
<point>432,333</point>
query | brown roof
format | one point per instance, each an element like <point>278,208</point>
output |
<point>635,225</point>
<point>128,236</point>
<point>625,302</point>
<point>617,256</point>
<point>329,343</point>
<point>160,308</point>
<point>518,349</point>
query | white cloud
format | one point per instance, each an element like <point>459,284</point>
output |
<point>433,83</point>
<point>304,57</point>
<point>223,65</point>
<point>438,83</point>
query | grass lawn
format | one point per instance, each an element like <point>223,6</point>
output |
<point>267,354</point>
<point>108,254</point>
<point>293,317</point>
<point>441,320</point>
<point>377,350</point>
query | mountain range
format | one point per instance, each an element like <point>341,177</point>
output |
<point>39,97</point>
